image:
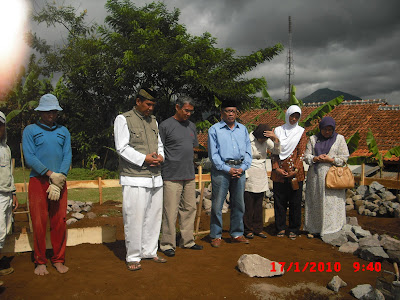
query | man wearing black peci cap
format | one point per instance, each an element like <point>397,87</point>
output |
<point>229,150</point>
<point>141,153</point>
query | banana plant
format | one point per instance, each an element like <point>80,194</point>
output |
<point>376,156</point>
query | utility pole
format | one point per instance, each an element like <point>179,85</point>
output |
<point>289,63</point>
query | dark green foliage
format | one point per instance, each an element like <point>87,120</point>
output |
<point>104,66</point>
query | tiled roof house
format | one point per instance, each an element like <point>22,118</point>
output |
<point>350,116</point>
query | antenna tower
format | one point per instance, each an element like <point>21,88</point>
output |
<point>289,63</point>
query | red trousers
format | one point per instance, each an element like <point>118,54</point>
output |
<point>41,209</point>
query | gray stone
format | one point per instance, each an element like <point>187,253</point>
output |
<point>395,205</point>
<point>361,290</point>
<point>389,243</point>
<point>91,215</point>
<point>69,209</point>
<point>87,208</point>
<point>349,207</point>
<point>75,207</point>
<point>349,247</point>
<point>80,203</point>
<point>373,254</point>
<point>394,256</point>
<point>376,186</point>
<point>373,214</point>
<point>369,241</point>
<point>374,295</point>
<point>352,221</point>
<point>350,193</point>
<point>362,190</point>
<point>351,237</point>
<point>336,239</point>
<point>255,265</point>
<point>336,283</point>
<point>382,211</point>
<point>397,212</point>
<point>367,212</point>
<point>370,205</point>
<point>389,196</point>
<point>373,197</point>
<point>89,203</point>
<point>359,203</point>
<point>360,233</point>
<point>71,221</point>
<point>78,216</point>
<point>349,201</point>
<point>361,209</point>
<point>357,197</point>
<point>347,227</point>
<point>398,197</point>
<point>70,202</point>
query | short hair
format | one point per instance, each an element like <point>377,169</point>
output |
<point>185,99</point>
<point>259,131</point>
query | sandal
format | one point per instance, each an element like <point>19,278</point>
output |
<point>281,234</point>
<point>158,259</point>
<point>133,265</point>
<point>250,235</point>
<point>261,235</point>
<point>292,236</point>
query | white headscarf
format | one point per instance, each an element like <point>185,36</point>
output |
<point>289,135</point>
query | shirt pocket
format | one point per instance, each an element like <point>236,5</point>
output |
<point>61,139</point>
<point>38,139</point>
<point>137,135</point>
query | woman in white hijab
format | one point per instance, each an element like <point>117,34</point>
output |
<point>288,173</point>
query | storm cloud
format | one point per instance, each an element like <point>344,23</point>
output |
<point>344,45</point>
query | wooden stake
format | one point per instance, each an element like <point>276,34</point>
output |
<point>362,177</point>
<point>200,204</point>
<point>100,191</point>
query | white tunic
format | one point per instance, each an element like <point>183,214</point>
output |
<point>256,175</point>
<point>324,208</point>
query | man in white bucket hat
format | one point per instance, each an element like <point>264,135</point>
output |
<point>47,150</point>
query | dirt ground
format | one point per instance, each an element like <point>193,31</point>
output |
<point>99,272</point>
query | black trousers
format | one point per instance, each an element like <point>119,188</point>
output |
<point>284,197</point>
<point>253,214</point>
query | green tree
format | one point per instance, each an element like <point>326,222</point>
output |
<point>104,66</point>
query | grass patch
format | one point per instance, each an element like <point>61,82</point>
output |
<point>86,195</point>
<point>73,174</point>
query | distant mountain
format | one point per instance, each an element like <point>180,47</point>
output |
<point>324,95</point>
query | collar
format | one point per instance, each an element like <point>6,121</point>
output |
<point>223,124</point>
<point>47,128</point>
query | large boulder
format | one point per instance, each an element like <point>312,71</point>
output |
<point>255,265</point>
<point>336,239</point>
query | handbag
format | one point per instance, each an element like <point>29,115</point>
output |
<point>339,178</point>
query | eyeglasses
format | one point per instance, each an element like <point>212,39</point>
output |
<point>188,111</point>
<point>230,111</point>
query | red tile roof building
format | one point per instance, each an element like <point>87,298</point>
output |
<point>350,116</point>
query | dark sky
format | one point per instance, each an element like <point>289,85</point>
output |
<point>351,46</point>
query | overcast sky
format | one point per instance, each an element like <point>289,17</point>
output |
<point>347,45</point>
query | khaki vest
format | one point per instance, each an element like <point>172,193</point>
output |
<point>143,137</point>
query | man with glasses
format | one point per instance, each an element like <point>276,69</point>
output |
<point>141,153</point>
<point>229,150</point>
<point>47,150</point>
<point>179,136</point>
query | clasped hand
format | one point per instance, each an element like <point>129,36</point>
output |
<point>236,173</point>
<point>154,159</point>
<point>323,158</point>
<point>285,174</point>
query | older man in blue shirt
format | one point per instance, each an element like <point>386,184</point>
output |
<point>229,150</point>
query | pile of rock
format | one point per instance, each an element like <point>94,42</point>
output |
<point>78,209</point>
<point>353,239</point>
<point>373,200</point>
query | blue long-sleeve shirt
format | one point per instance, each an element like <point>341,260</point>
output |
<point>47,148</point>
<point>225,143</point>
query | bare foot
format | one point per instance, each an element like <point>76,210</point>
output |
<point>41,270</point>
<point>61,268</point>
